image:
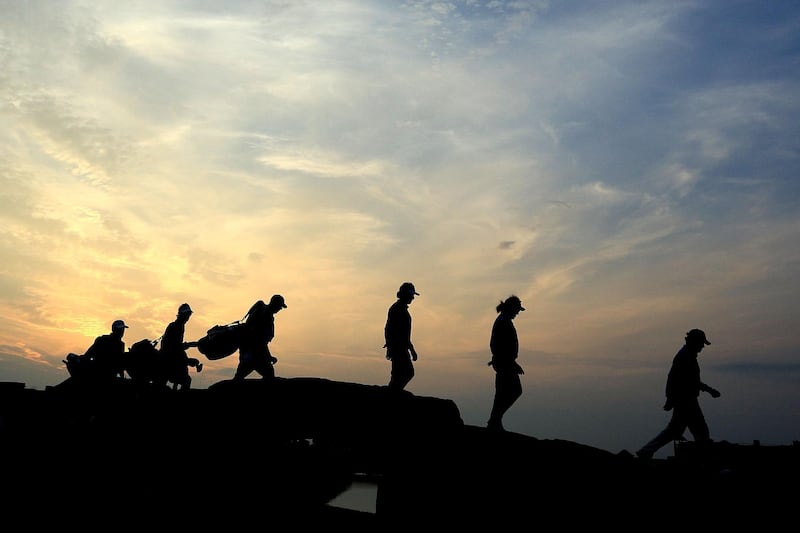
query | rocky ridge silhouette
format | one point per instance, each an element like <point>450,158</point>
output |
<point>283,449</point>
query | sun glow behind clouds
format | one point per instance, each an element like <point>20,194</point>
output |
<point>613,165</point>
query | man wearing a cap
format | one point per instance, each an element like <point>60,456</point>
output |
<point>106,355</point>
<point>258,332</point>
<point>504,345</point>
<point>397,333</point>
<point>683,391</point>
<point>174,358</point>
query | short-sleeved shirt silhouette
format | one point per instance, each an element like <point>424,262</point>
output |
<point>683,380</point>
<point>504,344</point>
<point>107,354</point>
<point>259,330</point>
<point>260,325</point>
<point>173,354</point>
<point>397,331</point>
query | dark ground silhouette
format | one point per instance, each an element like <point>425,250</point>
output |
<point>254,452</point>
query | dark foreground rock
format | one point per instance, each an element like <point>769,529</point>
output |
<point>254,452</point>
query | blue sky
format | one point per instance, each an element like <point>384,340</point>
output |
<point>629,169</point>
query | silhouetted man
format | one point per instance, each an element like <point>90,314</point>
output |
<point>504,345</point>
<point>683,390</point>
<point>258,332</point>
<point>106,355</point>
<point>173,351</point>
<point>397,332</point>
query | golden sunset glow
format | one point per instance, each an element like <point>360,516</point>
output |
<point>626,175</point>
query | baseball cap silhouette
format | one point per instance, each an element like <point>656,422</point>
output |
<point>118,324</point>
<point>278,300</point>
<point>408,288</point>
<point>698,334</point>
<point>513,302</point>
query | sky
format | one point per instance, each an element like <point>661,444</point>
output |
<point>628,169</point>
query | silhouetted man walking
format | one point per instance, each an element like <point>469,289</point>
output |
<point>504,345</point>
<point>259,330</point>
<point>173,351</point>
<point>683,390</point>
<point>397,332</point>
<point>105,358</point>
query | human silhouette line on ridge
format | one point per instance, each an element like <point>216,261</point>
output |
<point>683,391</point>
<point>397,333</point>
<point>174,359</point>
<point>258,332</point>
<point>504,345</point>
<point>104,361</point>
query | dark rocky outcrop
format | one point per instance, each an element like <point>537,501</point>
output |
<point>283,449</point>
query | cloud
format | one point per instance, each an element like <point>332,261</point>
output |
<point>758,370</point>
<point>626,168</point>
